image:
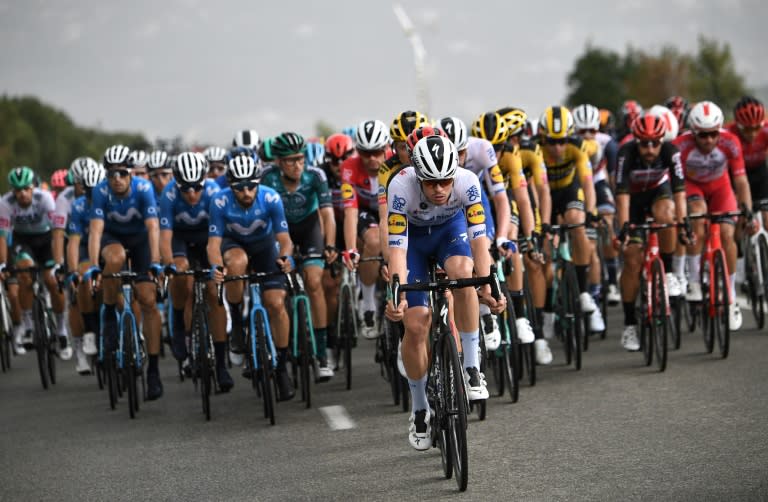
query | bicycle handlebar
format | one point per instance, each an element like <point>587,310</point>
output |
<point>492,280</point>
<point>252,277</point>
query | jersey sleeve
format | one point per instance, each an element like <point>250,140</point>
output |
<point>622,169</point>
<point>735,157</point>
<point>48,207</point>
<point>583,167</point>
<point>473,206</point>
<point>511,165</point>
<point>61,212</point>
<point>99,201</point>
<point>675,166</point>
<point>276,213</point>
<point>167,199</point>
<point>216,211</point>
<point>348,193</point>
<point>5,218</point>
<point>610,154</point>
<point>397,220</point>
<point>148,203</point>
<point>75,223</point>
<point>324,198</point>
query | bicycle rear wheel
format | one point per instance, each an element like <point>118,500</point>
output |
<point>53,342</point>
<point>304,356</point>
<point>40,339</point>
<point>659,316</point>
<point>676,304</point>
<point>706,310</point>
<point>511,363</point>
<point>130,364</point>
<point>762,249</point>
<point>347,330</point>
<point>752,275</point>
<point>722,304</point>
<point>7,333</point>
<point>202,360</point>
<point>529,355</point>
<point>455,403</point>
<point>266,371</point>
<point>111,371</point>
<point>440,436</point>
<point>574,333</point>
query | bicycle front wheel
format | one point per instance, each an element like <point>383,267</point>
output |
<point>722,304</point>
<point>202,360</point>
<point>264,363</point>
<point>40,339</point>
<point>456,409</point>
<point>129,364</point>
<point>762,249</point>
<point>347,331</point>
<point>754,290</point>
<point>659,314</point>
<point>574,318</point>
<point>305,362</point>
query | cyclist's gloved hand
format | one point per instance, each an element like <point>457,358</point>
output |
<point>286,263</point>
<point>156,269</point>
<point>592,219</point>
<point>351,256</point>
<point>92,272</point>
<point>58,269</point>
<point>3,267</point>
<point>72,278</point>
<point>330,253</point>
<point>505,245</point>
<point>170,269</point>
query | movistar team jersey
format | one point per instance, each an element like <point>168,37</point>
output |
<point>177,214</point>
<point>124,215</point>
<point>311,194</point>
<point>80,218</point>
<point>34,219</point>
<point>257,223</point>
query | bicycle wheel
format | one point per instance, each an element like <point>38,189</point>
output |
<point>659,314</point>
<point>347,331</point>
<point>529,355</point>
<point>754,291</point>
<point>389,348</point>
<point>762,249</point>
<point>131,367</point>
<point>53,342</point>
<point>480,406</point>
<point>7,333</point>
<point>722,304</point>
<point>112,383</point>
<point>676,304</point>
<point>455,402</point>
<point>304,355</point>
<point>706,311</point>
<point>202,360</point>
<point>510,345</point>
<point>40,339</point>
<point>266,371</point>
<point>440,436</point>
<point>574,335</point>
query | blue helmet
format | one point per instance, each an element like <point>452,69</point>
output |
<point>315,154</point>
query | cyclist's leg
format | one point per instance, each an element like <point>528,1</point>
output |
<point>696,205</point>
<point>89,312</point>
<point>580,246</point>
<point>368,233</point>
<point>21,295</point>
<point>515,285</point>
<point>606,207</point>
<point>236,263</point>
<point>723,199</point>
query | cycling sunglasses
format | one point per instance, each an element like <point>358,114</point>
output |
<point>649,143</point>
<point>190,187</point>
<point>434,183</point>
<point>707,134</point>
<point>337,160</point>
<point>555,141</point>
<point>118,173</point>
<point>244,185</point>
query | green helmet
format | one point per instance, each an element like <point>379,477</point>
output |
<point>21,177</point>
<point>287,143</point>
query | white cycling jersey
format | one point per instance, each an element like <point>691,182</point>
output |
<point>64,202</point>
<point>599,172</point>
<point>481,160</point>
<point>407,205</point>
<point>34,219</point>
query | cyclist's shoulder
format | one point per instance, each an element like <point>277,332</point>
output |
<point>316,174</point>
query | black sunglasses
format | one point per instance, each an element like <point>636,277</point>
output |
<point>118,173</point>
<point>244,185</point>
<point>707,134</point>
<point>555,141</point>
<point>190,187</point>
<point>649,143</point>
<point>337,160</point>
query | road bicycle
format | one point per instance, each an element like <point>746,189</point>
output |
<point>755,250</point>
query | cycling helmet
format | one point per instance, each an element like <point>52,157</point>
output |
<point>531,128</point>
<point>315,154</point>
<point>630,110</point>
<point>246,137</point>
<point>749,112</point>
<point>242,151</point>
<point>79,165</point>
<point>670,121</point>
<point>490,126</point>
<point>350,131</point>
<point>339,146</point>
<point>648,127</point>
<point>191,168</point>
<point>423,132</point>
<point>287,143</point>
<point>586,117</point>
<point>215,154</point>
<point>371,135</point>
<point>117,155</point>
<point>556,123</point>
<point>676,102</point>
<point>139,158</point>
<point>158,160</point>
<point>455,129</point>
<point>21,177</point>
<point>59,179</point>
<point>92,174</point>
<point>265,150</point>
<point>405,123</point>
<point>435,158</point>
<point>243,168</point>
<point>705,115</point>
<point>515,119</point>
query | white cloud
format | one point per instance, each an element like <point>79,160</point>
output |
<point>304,30</point>
<point>72,33</point>
<point>148,30</point>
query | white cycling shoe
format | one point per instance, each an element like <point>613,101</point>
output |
<point>543,352</point>
<point>524,330</point>
<point>587,303</point>
<point>420,430</point>
<point>629,339</point>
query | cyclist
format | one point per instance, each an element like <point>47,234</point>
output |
<point>160,168</point>
<point>679,106</point>
<point>26,216</point>
<point>246,220</point>
<point>247,138</point>
<point>649,180</point>
<point>217,161</point>
<point>482,154</point>
<point>89,174</point>
<point>184,210</point>
<point>714,170</point>
<point>140,158</point>
<point>58,182</point>
<point>749,126</point>
<point>435,210</point>
<point>630,110</point>
<point>573,196</point>
<point>124,225</point>
<point>338,148</point>
<point>311,225</point>
<point>360,192</point>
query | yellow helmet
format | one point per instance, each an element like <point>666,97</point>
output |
<point>490,126</point>
<point>405,123</point>
<point>556,122</point>
<point>515,119</point>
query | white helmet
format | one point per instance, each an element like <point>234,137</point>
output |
<point>158,160</point>
<point>190,168</point>
<point>215,154</point>
<point>247,138</point>
<point>435,158</point>
<point>79,165</point>
<point>705,115</point>
<point>91,174</point>
<point>372,135</point>
<point>586,117</point>
<point>117,155</point>
<point>139,158</point>
<point>669,119</point>
<point>243,168</point>
<point>456,130</point>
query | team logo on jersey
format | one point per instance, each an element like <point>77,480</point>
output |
<point>580,195</point>
<point>398,203</point>
<point>473,193</point>
<point>398,224</point>
<point>476,214</point>
<point>271,198</point>
<point>347,192</point>
<point>170,195</point>
<point>496,175</point>
<point>220,202</point>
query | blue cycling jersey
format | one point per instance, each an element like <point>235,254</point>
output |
<point>124,215</point>
<point>177,214</point>
<point>222,181</point>
<point>259,222</point>
<point>80,218</point>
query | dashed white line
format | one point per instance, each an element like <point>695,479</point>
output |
<point>337,417</point>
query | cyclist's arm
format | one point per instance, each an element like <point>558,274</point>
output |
<point>214,251</point>
<point>58,245</point>
<point>73,252</point>
<point>383,231</point>
<point>584,172</point>
<point>284,243</point>
<point>741,187</point>
<point>166,250</point>
<point>622,208</point>
<point>329,225</point>
<point>481,256</point>
<point>153,233</point>
<point>524,209</point>
<point>350,227</point>
<point>95,231</point>
<point>3,249</point>
<point>397,263</point>
<point>501,205</point>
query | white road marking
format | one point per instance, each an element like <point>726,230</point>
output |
<point>337,417</point>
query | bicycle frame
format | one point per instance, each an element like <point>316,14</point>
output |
<point>652,254</point>
<point>298,296</point>
<point>254,293</point>
<point>126,279</point>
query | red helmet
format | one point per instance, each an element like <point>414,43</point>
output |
<point>339,146</point>
<point>423,132</point>
<point>630,110</point>
<point>749,112</point>
<point>648,127</point>
<point>59,179</point>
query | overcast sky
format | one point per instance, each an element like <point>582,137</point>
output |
<point>203,69</point>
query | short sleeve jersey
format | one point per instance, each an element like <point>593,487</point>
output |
<point>481,159</point>
<point>256,224</point>
<point>754,152</point>
<point>63,207</point>
<point>34,219</point>
<point>575,162</point>
<point>702,167</point>
<point>124,215</point>
<point>358,188</point>
<point>633,175</point>
<point>176,214</point>
<point>311,194</point>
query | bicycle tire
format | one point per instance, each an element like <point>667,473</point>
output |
<point>677,314</point>
<point>529,356</point>
<point>480,406</point>
<point>347,326</point>
<point>762,249</point>
<point>129,364</point>
<point>266,369</point>
<point>304,356</point>
<point>202,360</point>
<point>659,314</point>
<point>455,399</point>
<point>752,275</point>
<point>390,371</point>
<point>112,384</point>
<point>722,304</point>
<point>707,323</point>
<point>40,340</point>
<point>440,422</point>
<point>690,312</point>
<point>511,366</point>
<point>574,316</point>
<point>7,333</point>
<point>53,342</point>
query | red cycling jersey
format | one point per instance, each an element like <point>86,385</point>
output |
<point>358,188</point>
<point>714,166</point>
<point>755,153</point>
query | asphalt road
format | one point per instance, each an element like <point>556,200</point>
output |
<point>614,431</point>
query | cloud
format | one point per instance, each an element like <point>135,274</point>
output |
<point>304,30</point>
<point>148,30</point>
<point>72,33</point>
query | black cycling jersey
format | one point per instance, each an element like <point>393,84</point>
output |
<point>633,175</point>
